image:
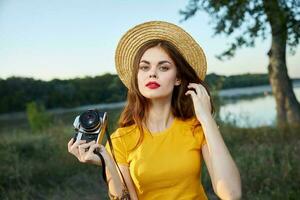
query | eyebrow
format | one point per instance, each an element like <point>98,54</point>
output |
<point>160,62</point>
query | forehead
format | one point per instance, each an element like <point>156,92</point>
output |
<point>156,53</point>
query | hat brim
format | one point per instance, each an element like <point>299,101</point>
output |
<point>137,36</point>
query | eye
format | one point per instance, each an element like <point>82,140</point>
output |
<point>144,67</point>
<point>163,68</point>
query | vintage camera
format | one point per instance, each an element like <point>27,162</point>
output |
<point>90,125</point>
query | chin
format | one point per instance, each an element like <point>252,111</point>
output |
<point>160,93</point>
<point>155,95</point>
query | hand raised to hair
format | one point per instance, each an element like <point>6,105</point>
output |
<point>201,101</point>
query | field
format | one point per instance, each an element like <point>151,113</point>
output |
<point>37,165</point>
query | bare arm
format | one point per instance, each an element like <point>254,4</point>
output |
<point>114,177</point>
<point>126,174</point>
<point>79,149</point>
<point>223,172</point>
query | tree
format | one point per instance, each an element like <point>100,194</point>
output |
<point>259,18</point>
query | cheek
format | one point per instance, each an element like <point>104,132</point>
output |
<point>140,76</point>
<point>140,80</point>
<point>169,79</point>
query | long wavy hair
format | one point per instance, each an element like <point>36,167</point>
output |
<point>137,106</point>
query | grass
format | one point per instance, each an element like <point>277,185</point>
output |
<point>38,166</point>
<point>268,160</point>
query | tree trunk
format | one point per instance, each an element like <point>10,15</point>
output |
<point>288,109</point>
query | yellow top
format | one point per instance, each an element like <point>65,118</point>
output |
<point>167,164</point>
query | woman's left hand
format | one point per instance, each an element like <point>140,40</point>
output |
<point>201,101</point>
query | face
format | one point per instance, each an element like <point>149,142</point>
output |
<point>157,74</point>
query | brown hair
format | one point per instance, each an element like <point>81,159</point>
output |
<point>137,107</point>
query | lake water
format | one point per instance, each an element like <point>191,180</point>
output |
<point>258,111</point>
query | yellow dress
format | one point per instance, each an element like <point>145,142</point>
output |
<point>167,164</point>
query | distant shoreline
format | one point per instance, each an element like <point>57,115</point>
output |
<point>233,92</point>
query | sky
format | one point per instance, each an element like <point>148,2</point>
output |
<point>65,39</point>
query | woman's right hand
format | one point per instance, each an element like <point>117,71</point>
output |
<point>84,152</point>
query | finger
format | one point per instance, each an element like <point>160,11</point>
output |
<point>70,143</point>
<point>86,145</point>
<point>76,144</point>
<point>83,148</point>
<point>92,148</point>
<point>79,142</point>
<point>203,89</point>
<point>196,87</point>
<point>90,156</point>
<point>81,152</point>
<point>192,93</point>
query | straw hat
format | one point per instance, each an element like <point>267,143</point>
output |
<point>137,36</point>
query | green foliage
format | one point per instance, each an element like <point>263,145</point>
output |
<point>40,167</point>
<point>37,117</point>
<point>16,92</point>
<point>247,80</point>
<point>267,159</point>
<point>248,20</point>
<point>218,82</point>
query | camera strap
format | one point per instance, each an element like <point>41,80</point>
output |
<point>103,166</point>
<point>125,195</point>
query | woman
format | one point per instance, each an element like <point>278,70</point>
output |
<point>167,126</point>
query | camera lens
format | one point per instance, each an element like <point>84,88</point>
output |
<point>89,120</point>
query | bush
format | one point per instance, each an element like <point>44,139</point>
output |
<point>37,117</point>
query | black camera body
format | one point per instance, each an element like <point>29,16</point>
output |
<point>90,125</point>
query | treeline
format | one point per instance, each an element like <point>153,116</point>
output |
<point>16,92</point>
<point>234,81</point>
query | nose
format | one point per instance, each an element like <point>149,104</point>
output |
<point>152,73</point>
<point>152,76</point>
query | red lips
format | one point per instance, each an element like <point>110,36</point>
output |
<point>152,85</point>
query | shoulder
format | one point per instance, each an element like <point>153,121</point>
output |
<point>127,136</point>
<point>123,131</point>
<point>190,126</point>
<point>190,122</point>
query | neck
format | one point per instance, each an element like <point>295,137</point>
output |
<point>160,115</point>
